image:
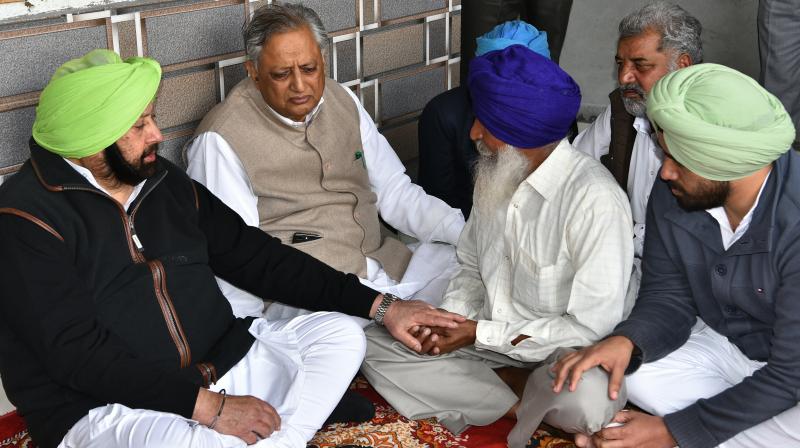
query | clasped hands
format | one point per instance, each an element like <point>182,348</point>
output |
<point>437,340</point>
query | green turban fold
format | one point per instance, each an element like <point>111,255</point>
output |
<point>92,101</point>
<point>719,123</point>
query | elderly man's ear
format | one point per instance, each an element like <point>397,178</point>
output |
<point>252,72</point>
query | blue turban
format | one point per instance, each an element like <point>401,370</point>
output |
<point>523,98</point>
<point>513,32</point>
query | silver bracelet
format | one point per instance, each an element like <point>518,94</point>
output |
<point>219,411</point>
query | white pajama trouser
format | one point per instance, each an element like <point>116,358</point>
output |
<point>301,366</point>
<point>704,366</point>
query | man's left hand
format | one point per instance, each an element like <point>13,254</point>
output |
<point>403,316</point>
<point>638,430</point>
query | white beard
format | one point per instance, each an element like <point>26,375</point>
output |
<point>497,177</point>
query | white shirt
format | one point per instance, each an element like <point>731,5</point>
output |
<point>728,235</point>
<point>402,204</point>
<point>83,171</point>
<point>553,264</point>
<point>645,164</point>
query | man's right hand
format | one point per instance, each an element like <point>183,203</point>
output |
<point>404,318</point>
<point>245,417</point>
<point>612,354</point>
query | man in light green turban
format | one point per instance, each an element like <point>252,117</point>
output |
<point>113,331</point>
<point>711,346</point>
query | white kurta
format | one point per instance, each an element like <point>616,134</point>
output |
<point>645,164</point>
<point>553,264</point>
<point>402,204</point>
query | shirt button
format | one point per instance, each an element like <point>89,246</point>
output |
<point>652,173</point>
<point>721,269</point>
<point>516,205</point>
<point>500,310</point>
<point>327,166</point>
<point>730,309</point>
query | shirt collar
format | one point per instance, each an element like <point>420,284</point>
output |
<point>298,124</point>
<point>83,171</point>
<point>548,178</point>
<point>642,125</point>
<point>719,213</point>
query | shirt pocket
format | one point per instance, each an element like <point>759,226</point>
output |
<point>542,290</point>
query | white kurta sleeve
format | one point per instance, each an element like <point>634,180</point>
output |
<point>212,162</point>
<point>596,139</point>
<point>402,204</point>
<point>466,292</point>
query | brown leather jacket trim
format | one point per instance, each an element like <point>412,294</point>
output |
<point>33,219</point>
<point>196,197</point>
<point>41,179</point>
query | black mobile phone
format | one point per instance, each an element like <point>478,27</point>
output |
<point>304,237</point>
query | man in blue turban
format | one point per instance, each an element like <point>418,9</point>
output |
<point>545,263</point>
<point>446,153</point>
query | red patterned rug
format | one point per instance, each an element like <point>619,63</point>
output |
<point>13,432</point>
<point>387,429</point>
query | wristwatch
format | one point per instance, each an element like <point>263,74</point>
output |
<point>388,299</point>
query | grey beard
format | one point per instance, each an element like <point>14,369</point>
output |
<point>497,177</point>
<point>637,108</point>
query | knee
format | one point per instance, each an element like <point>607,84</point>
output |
<point>588,409</point>
<point>342,333</point>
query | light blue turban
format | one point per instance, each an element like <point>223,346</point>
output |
<point>513,32</point>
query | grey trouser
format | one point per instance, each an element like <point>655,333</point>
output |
<point>779,48</point>
<point>461,389</point>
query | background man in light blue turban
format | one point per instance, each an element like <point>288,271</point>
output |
<point>446,153</point>
<point>711,346</point>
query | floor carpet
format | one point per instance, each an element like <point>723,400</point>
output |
<point>386,430</point>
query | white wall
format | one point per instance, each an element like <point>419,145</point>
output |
<point>729,38</point>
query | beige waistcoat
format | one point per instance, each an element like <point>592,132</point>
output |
<point>310,178</point>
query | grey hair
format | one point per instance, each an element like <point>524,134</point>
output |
<point>272,19</point>
<point>679,30</point>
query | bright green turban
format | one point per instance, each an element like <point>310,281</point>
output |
<point>92,101</point>
<point>719,123</point>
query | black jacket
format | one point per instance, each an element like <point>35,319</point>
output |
<point>102,305</point>
<point>446,152</point>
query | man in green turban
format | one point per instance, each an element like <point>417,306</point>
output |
<point>113,331</point>
<point>711,346</point>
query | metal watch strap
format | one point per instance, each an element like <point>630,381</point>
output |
<point>388,299</point>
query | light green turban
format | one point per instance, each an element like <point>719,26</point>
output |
<point>92,101</point>
<point>719,123</point>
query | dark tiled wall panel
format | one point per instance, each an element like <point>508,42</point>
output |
<point>232,75</point>
<point>182,37</point>
<point>29,62</point>
<point>408,94</point>
<point>173,150</point>
<point>335,14</point>
<point>15,131</point>
<point>346,60</point>
<point>392,9</point>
